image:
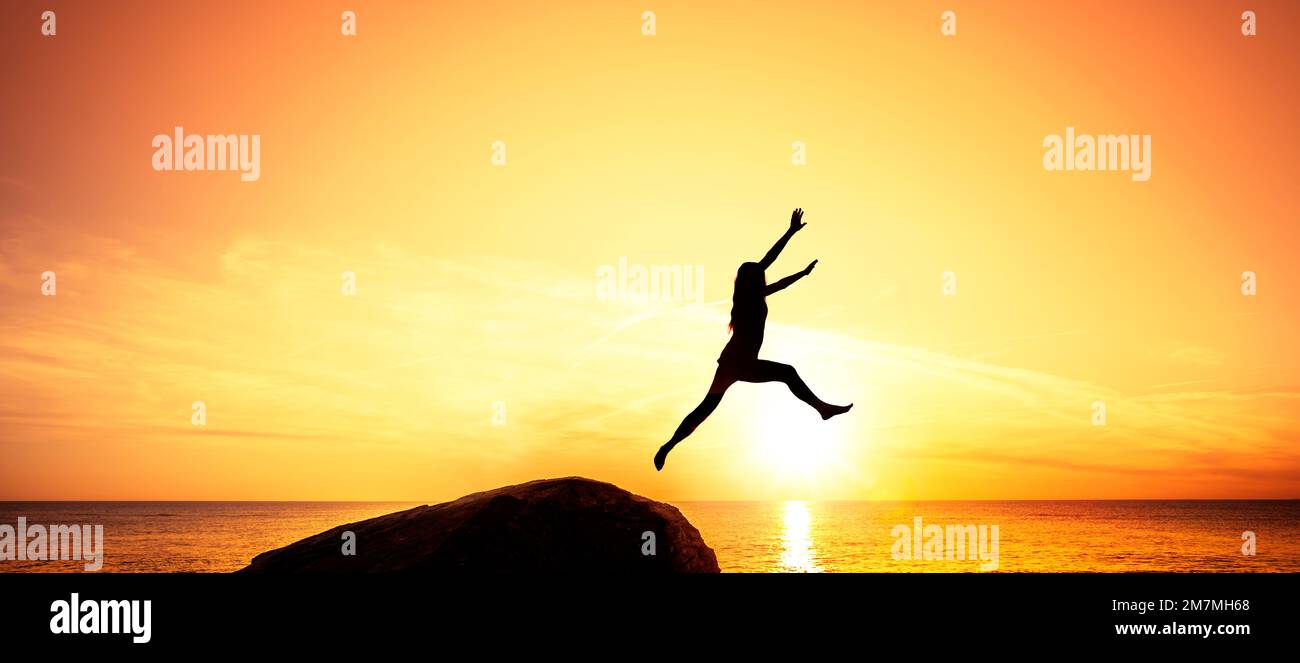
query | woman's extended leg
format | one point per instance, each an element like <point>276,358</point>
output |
<point>696,417</point>
<point>771,371</point>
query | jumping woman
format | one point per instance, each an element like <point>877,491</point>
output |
<point>739,359</point>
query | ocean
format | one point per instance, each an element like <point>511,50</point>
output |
<point>1031,536</point>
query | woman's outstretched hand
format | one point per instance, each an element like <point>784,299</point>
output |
<point>808,270</point>
<point>796,222</point>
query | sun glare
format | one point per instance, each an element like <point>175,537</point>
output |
<point>790,438</point>
<point>797,552</point>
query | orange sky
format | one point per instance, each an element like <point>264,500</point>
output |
<point>477,283</point>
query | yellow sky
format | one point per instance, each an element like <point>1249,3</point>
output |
<point>477,283</point>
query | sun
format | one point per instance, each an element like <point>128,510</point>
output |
<point>790,439</point>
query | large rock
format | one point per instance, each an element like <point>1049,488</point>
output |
<point>571,525</point>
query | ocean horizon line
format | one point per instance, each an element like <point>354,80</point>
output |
<point>694,501</point>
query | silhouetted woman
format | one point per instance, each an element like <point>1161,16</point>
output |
<point>739,359</point>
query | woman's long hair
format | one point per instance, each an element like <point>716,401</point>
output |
<point>748,294</point>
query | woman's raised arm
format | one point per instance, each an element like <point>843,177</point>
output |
<point>796,224</point>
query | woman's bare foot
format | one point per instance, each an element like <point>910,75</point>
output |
<point>662,456</point>
<point>832,410</point>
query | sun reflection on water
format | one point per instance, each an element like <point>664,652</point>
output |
<point>797,552</point>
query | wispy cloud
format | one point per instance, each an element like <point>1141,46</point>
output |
<point>415,360</point>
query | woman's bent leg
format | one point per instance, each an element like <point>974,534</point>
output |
<point>771,371</point>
